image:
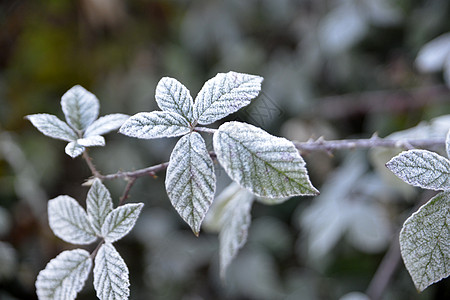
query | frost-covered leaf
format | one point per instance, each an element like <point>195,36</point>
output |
<point>120,221</point>
<point>173,96</point>
<point>80,107</point>
<point>425,242</point>
<point>190,180</point>
<point>272,201</point>
<point>268,166</point>
<point>74,149</point>
<point>98,205</point>
<point>90,141</point>
<point>64,276</point>
<point>69,221</point>
<point>106,124</point>
<point>110,274</point>
<point>236,221</point>
<point>422,168</point>
<point>434,55</point>
<point>53,127</point>
<point>225,94</point>
<point>155,124</point>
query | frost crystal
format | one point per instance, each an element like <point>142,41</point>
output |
<point>425,242</point>
<point>268,166</point>
<point>225,94</point>
<point>190,180</point>
<point>98,205</point>
<point>422,168</point>
<point>172,96</point>
<point>64,276</point>
<point>69,221</point>
<point>120,221</point>
<point>110,274</point>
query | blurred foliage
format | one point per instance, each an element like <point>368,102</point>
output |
<point>336,69</point>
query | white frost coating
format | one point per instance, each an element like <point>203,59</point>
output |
<point>422,168</point>
<point>69,221</point>
<point>236,220</point>
<point>52,126</point>
<point>80,107</point>
<point>268,166</point>
<point>120,221</point>
<point>190,180</point>
<point>98,205</point>
<point>111,280</point>
<point>155,124</point>
<point>74,149</point>
<point>94,140</point>
<point>64,276</point>
<point>225,94</point>
<point>106,124</point>
<point>425,242</point>
<point>173,96</point>
<point>434,55</point>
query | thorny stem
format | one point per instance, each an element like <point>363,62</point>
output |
<point>127,190</point>
<point>91,166</point>
<point>391,260</point>
<point>304,148</point>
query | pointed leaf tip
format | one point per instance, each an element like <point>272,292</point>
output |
<point>190,180</point>
<point>80,107</point>
<point>266,165</point>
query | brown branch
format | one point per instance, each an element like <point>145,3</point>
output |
<point>305,147</point>
<point>127,190</point>
<point>91,166</point>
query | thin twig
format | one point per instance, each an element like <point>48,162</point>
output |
<point>305,147</point>
<point>391,260</point>
<point>205,129</point>
<point>94,253</point>
<point>91,166</point>
<point>126,192</point>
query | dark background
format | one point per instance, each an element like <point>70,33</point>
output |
<point>338,69</point>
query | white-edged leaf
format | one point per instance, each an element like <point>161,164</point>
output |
<point>106,124</point>
<point>422,168</point>
<point>155,124</point>
<point>53,127</point>
<point>80,107</point>
<point>225,94</point>
<point>425,242</point>
<point>64,276</point>
<point>190,180</point>
<point>272,201</point>
<point>74,149</point>
<point>90,141</point>
<point>433,56</point>
<point>110,274</point>
<point>268,166</point>
<point>69,221</point>
<point>98,205</point>
<point>120,221</point>
<point>173,96</point>
<point>236,221</point>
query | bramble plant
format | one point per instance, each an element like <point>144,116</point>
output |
<point>263,167</point>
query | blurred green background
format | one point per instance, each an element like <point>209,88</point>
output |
<point>338,69</point>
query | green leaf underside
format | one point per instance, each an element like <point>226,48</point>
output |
<point>425,242</point>
<point>64,276</point>
<point>53,127</point>
<point>69,221</point>
<point>190,180</point>
<point>73,149</point>
<point>236,220</point>
<point>111,274</point>
<point>98,205</point>
<point>268,166</point>
<point>120,221</point>
<point>80,107</point>
<point>225,94</point>
<point>105,124</point>
<point>155,124</point>
<point>173,96</point>
<point>422,168</point>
